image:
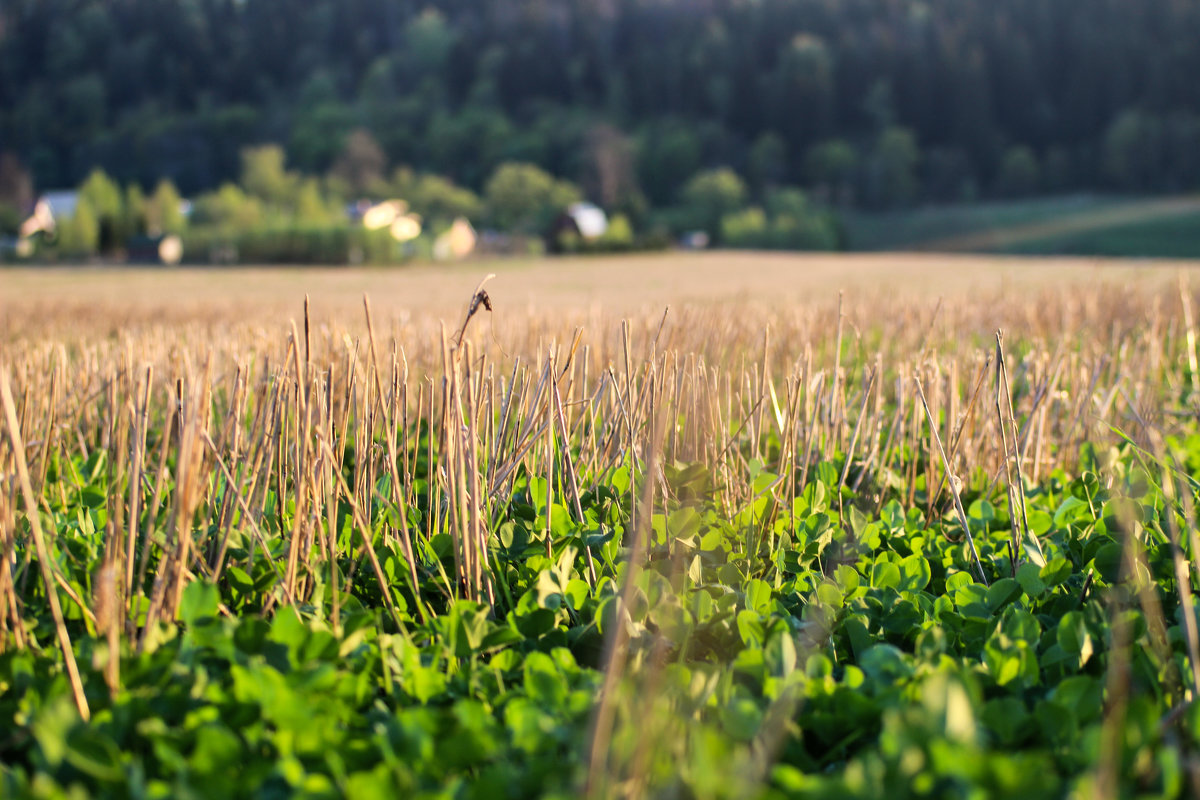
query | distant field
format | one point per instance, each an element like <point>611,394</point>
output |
<point>1082,225</point>
<point>34,298</point>
<point>902,229</point>
<point>1170,237</point>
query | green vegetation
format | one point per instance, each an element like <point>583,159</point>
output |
<point>1073,225</point>
<point>274,215</point>
<point>677,561</point>
<point>1174,236</point>
<point>913,228</point>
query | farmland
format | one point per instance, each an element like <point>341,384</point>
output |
<point>815,530</point>
<point>1086,225</point>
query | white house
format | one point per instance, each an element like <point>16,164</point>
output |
<point>49,209</point>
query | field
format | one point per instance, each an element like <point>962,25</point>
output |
<point>1175,236</point>
<point>1083,225</point>
<point>818,529</point>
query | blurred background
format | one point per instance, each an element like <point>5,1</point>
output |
<point>382,131</point>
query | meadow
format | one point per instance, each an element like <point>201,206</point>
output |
<point>1081,225</point>
<point>714,526</point>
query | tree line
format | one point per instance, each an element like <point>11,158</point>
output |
<point>862,103</point>
<point>273,214</point>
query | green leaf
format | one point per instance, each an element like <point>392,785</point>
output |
<point>847,578</point>
<point>577,593</point>
<point>1108,561</point>
<point>859,634</point>
<point>1030,577</point>
<point>1074,638</point>
<point>239,580</point>
<point>1010,662</point>
<point>199,603</point>
<point>741,719</point>
<point>543,682</point>
<point>468,626</point>
<point>981,511</point>
<point>758,596</point>
<point>1056,572</point>
<point>750,628</point>
<point>1071,509</point>
<point>829,595</point>
<point>892,515</point>
<point>779,655</point>
<point>217,750</point>
<point>1084,695</point>
<point>885,663</point>
<point>94,754</point>
<point>1008,719</point>
<point>915,573</point>
<point>1002,592</point>
<point>1018,624</point>
<point>885,574</point>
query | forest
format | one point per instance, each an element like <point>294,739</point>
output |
<point>878,102</point>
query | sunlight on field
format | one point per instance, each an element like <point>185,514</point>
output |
<point>36,297</point>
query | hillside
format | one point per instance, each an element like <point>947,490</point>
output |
<point>867,103</point>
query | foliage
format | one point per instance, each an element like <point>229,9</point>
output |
<point>892,661</point>
<point>437,199</point>
<point>79,235</point>
<point>10,220</point>
<point>228,208</point>
<point>760,606</point>
<point>16,192</point>
<point>710,195</point>
<point>265,178</point>
<point>831,166</point>
<point>168,88</point>
<point>164,213</point>
<point>792,224</point>
<point>361,165</point>
<point>294,243</point>
<point>891,169</point>
<point>1019,173</point>
<point>525,199</point>
<point>868,105</point>
<point>101,196</point>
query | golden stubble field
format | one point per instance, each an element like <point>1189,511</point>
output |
<point>36,301</point>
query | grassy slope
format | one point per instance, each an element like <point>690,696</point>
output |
<point>1170,237</point>
<point>1074,225</point>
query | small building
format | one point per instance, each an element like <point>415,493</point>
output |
<point>579,221</point>
<point>590,220</point>
<point>391,214</point>
<point>50,208</point>
<point>455,243</point>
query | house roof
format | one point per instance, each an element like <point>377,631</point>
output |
<point>589,218</point>
<point>62,202</point>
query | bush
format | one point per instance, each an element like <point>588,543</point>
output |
<point>789,222</point>
<point>709,197</point>
<point>523,198</point>
<point>746,228</point>
<point>296,244</point>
